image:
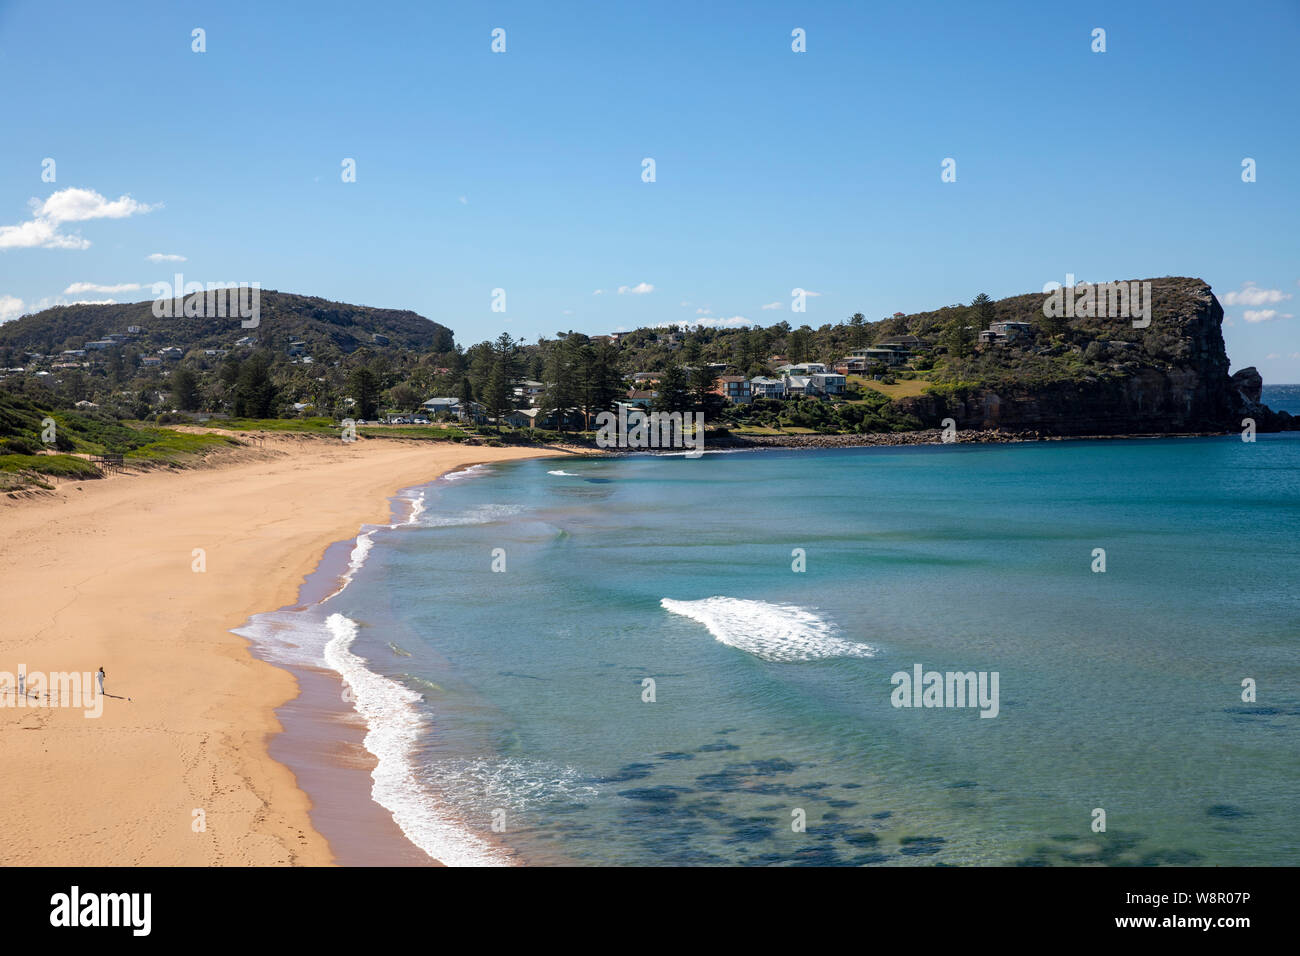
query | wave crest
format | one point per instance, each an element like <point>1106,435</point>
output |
<point>771,632</point>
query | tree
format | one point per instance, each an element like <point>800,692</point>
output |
<point>498,394</point>
<point>858,330</point>
<point>597,383</point>
<point>984,312</point>
<point>958,336</point>
<point>559,377</point>
<point>185,390</point>
<point>673,393</point>
<point>403,396</point>
<point>798,344</point>
<point>703,381</point>
<point>365,387</point>
<point>254,390</point>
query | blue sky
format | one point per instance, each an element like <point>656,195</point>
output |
<point>774,169</point>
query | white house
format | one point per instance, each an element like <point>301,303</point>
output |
<point>761,387</point>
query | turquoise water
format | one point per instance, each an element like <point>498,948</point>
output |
<point>522,695</point>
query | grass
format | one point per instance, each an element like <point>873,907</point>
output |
<point>903,388</point>
<point>171,446</point>
<point>56,466</point>
<point>314,426</point>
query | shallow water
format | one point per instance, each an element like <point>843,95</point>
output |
<point>518,697</point>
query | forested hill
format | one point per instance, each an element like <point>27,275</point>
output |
<point>323,326</point>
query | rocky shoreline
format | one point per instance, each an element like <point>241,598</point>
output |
<point>930,436</point>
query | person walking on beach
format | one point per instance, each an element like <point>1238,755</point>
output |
<point>100,675</point>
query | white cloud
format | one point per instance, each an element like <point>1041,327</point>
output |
<point>1251,294</point>
<point>641,288</point>
<point>1294,355</point>
<point>78,205</point>
<point>38,233</point>
<point>1264,315</point>
<point>165,257</point>
<point>78,287</point>
<point>463,201</point>
<point>703,311</point>
<point>599,292</point>
<point>10,307</point>
<point>773,305</point>
<point>66,205</point>
<point>1272,355</point>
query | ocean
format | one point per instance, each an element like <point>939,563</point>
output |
<point>652,660</point>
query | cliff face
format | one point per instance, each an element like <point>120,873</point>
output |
<point>1170,377</point>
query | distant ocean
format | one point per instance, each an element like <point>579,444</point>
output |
<point>518,698</point>
<point>1282,398</point>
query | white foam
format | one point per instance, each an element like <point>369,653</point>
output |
<point>566,474</point>
<point>473,471</point>
<point>772,632</point>
<point>394,728</point>
<point>417,508</point>
<point>356,561</point>
<point>482,514</point>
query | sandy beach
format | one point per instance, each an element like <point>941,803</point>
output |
<point>102,573</point>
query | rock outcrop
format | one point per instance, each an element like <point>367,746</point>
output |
<point>1170,377</point>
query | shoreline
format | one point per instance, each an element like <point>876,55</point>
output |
<point>324,737</point>
<point>147,575</point>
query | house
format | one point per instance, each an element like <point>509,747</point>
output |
<point>522,417</point>
<point>215,353</point>
<point>529,390</point>
<point>1005,332</point>
<point>85,404</point>
<point>830,383</point>
<point>799,385</point>
<point>297,348</point>
<point>641,397</point>
<point>378,339</point>
<point>461,411</point>
<point>171,353</point>
<point>804,368</point>
<point>907,343</point>
<point>134,330</point>
<point>734,388</point>
<point>544,418</point>
<point>247,340</point>
<point>761,387</point>
<point>117,337</point>
<point>645,378</point>
<point>74,353</point>
<point>851,365</point>
<point>100,344</point>
<point>885,355</point>
<point>150,361</point>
